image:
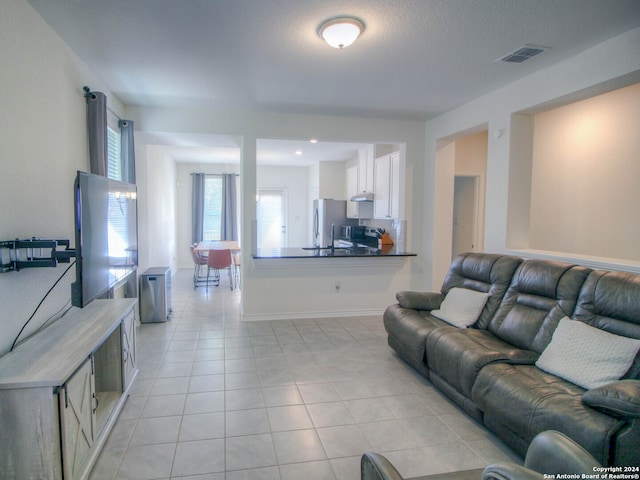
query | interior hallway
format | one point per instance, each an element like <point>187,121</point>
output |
<point>221,399</point>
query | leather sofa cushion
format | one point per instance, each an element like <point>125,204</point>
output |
<point>457,355</point>
<point>529,401</point>
<point>610,301</point>
<point>540,294</point>
<point>482,272</point>
<point>409,327</point>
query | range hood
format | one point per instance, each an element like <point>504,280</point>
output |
<point>363,197</point>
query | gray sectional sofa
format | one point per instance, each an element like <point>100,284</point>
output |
<point>521,367</point>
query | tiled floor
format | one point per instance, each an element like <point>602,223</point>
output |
<point>217,398</point>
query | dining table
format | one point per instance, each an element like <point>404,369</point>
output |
<point>207,245</point>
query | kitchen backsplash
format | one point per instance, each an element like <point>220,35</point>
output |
<point>396,229</point>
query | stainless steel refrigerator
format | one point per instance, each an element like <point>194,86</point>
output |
<point>328,213</point>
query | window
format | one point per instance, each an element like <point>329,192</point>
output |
<point>212,218</point>
<point>114,164</point>
<point>118,209</point>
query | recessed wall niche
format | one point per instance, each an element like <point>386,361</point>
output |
<point>574,176</point>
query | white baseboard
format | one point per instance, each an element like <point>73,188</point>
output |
<point>306,315</point>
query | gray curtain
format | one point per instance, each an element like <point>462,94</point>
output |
<point>127,152</point>
<point>229,227</point>
<point>97,132</point>
<point>197,207</point>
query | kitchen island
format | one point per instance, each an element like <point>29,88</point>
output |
<point>321,283</point>
<point>354,252</point>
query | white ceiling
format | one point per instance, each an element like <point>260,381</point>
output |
<point>416,58</point>
<point>199,148</point>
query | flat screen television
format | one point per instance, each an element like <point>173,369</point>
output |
<point>106,235</point>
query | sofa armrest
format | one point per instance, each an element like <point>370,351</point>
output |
<point>374,466</point>
<point>549,453</point>
<point>553,452</point>
<point>420,300</point>
<point>509,471</point>
<point>619,399</point>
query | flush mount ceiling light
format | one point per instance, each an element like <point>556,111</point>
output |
<point>340,32</point>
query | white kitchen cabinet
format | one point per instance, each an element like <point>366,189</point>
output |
<point>352,189</point>
<point>365,169</point>
<point>394,182</point>
<point>62,390</point>
<point>386,203</point>
<point>356,209</point>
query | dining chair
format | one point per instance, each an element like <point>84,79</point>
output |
<point>199,261</point>
<point>216,261</point>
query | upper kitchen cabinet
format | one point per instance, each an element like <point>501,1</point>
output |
<point>386,203</point>
<point>355,209</point>
<point>366,168</point>
<point>352,188</point>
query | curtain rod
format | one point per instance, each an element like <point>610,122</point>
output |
<point>89,93</point>
<point>204,173</point>
<point>116,115</point>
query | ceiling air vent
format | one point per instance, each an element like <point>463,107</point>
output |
<point>523,53</point>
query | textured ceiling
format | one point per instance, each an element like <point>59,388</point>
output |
<point>416,58</point>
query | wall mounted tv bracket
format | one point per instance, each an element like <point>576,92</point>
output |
<point>34,252</point>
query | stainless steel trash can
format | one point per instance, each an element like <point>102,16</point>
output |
<point>155,295</point>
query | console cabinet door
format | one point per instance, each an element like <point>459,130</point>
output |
<point>129,360</point>
<point>77,420</point>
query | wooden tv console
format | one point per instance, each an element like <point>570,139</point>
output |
<point>61,391</point>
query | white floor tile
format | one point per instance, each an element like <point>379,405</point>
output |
<point>221,399</point>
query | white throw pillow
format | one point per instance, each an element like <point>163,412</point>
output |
<point>461,307</point>
<point>587,356</point>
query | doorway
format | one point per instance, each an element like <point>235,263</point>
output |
<point>462,156</point>
<point>465,215</point>
<point>272,219</point>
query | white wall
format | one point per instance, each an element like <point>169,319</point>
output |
<point>43,138</point>
<point>158,198</point>
<point>289,289</point>
<point>586,170</point>
<point>607,66</point>
<point>333,180</point>
<point>42,131</point>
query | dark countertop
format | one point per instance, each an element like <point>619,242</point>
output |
<point>327,253</point>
